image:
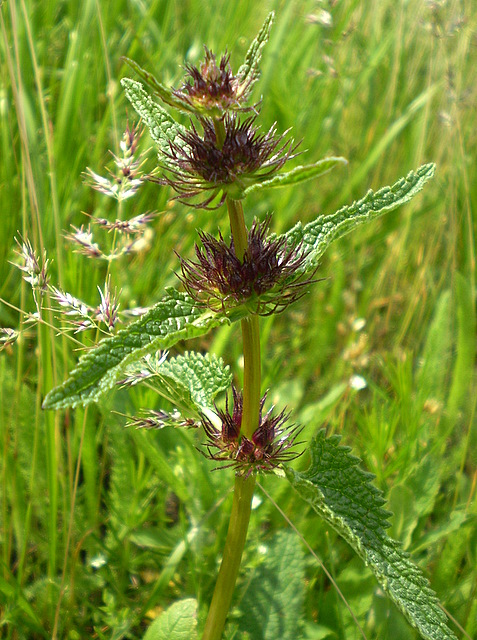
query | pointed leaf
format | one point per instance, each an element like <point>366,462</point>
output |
<point>343,495</point>
<point>162,127</point>
<point>249,72</point>
<point>320,233</point>
<point>204,376</point>
<point>298,174</point>
<point>179,622</point>
<point>273,602</point>
<point>159,89</point>
<point>175,318</point>
<point>191,380</point>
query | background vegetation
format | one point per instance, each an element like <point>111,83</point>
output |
<point>102,527</point>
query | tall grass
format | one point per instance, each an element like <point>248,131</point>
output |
<point>101,527</point>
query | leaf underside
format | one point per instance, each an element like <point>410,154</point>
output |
<point>343,495</point>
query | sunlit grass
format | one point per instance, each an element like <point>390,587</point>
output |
<point>102,527</point>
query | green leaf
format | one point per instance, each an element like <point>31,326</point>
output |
<point>175,318</point>
<point>249,72</point>
<point>179,622</point>
<point>298,174</point>
<point>162,127</point>
<point>204,376</point>
<point>434,360</point>
<point>343,495</point>
<point>274,598</point>
<point>464,367</point>
<point>317,235</point>
<point>191,380</point>
<point>159,89</point>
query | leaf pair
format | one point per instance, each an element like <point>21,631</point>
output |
<point>177,317</point>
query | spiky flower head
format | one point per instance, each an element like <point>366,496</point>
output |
<point>212,89</point>
<point>267,279</point>
<point>201,165</point>
<point>268,447</point>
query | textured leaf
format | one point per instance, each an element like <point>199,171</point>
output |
<point>162,127</point>
<point>273,602</point>
<point>342,493</point>
<point>159,89</point>
<point>179,622</point>
<point>249,72</point>
<point>320,233</point>
<point>204,376</point>
<point>175,318</point>
<point>195,378</point>
<point>298,174</point>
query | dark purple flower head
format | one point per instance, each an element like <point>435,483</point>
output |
<point>212,89</point>
<point>267,279</point>
<point>198,164</point>
<point>267,449</point>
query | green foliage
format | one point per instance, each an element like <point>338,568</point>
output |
<point>342,493</point>
<point>387,86</point>
<point>319,234</point>
<point>297,175</point>
<point>179,622</point>
<point>153,115</point>
<point>162,127</point>
<point>175,318</point>
<point>273,602</point>
<point>249,72</point>
<point>464,367</point>
<point>189,382</point>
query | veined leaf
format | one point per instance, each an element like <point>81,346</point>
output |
<point>159,89</point>
<point>204,376</point>
<point>343,495</point>
<point>179,622</point>
<point>191,380</point>
<point>174,318</point>
<point>162,127</point>
<point>273,603</point>
<point>298,174</point>
<point>317,235</point>
<point>249,72</point>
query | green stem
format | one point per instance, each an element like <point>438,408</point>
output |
<point>243,492</point>
<point>234,545</point>
<point>237,227</point>
<point>251,375</point>
<point>250,332</point>
<point>244,486</point>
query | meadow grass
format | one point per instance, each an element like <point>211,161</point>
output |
<point>102,527</point>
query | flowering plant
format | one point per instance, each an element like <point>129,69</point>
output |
<point>221,158</point>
